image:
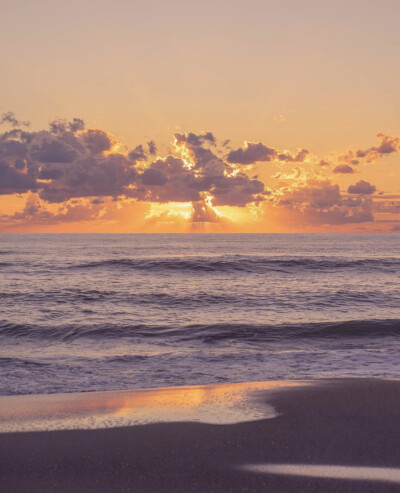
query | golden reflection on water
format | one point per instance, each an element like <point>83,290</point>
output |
<point>217,404</point>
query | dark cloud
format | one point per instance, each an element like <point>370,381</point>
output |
<point>35,212</point>
<point>73,168</point>
<point>53,151</point>
<point>20,164</point>
<point>64,162</point>
<point>138,154</point>
<point>387,206</point>
<point>203,213</point>
<point>362,187</point>
<point>152,147</point>
<point>251,154</point>
<point>68,162</point>
<point>90,177</point>
<point>153,176</point>
<point>61,126</point>
<point>169,180</point>
<point>387,145</point>
<point>343,169</point>
<point>297,158</point>
<point>193,139</point>
<point>217,177</point>
<point>172,179</point>
<point>257,152</point>
<point>76,125</point>
<point>15,180</point>
<point>12,149</point>
<point>12,120</point>
<point>320,202</point>
<point>50,174</point>
<point>97,141</point>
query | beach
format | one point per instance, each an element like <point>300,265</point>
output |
<point>220,441</point>
<point>199,246</point>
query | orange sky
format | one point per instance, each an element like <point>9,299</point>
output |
<point>284,76</point>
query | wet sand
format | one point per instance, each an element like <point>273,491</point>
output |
<point>352,424</point>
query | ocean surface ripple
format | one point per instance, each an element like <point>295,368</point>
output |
<point>108,312</point>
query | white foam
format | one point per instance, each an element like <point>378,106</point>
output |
<point>329,471</point>
<point>213,404</point>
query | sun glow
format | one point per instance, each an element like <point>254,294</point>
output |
<point>184,153</point>
<point>233,171</point>
<point>171,211</point>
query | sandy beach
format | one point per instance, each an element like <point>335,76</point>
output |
<point>350,424</point>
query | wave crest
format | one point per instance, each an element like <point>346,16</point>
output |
<point>245,264</point>
<point>211,333</point>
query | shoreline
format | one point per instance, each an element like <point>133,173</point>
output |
<point>220,404</point>
<point>352,424</point>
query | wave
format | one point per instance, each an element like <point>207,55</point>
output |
<point>21,362</point>
<point>245,264</point>
<point>210,333</point>
<point>84,297</point>
<point>58,303</point>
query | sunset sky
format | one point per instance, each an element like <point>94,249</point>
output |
<point>212,116</point>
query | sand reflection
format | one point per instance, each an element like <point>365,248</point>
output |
<point>214,404</point>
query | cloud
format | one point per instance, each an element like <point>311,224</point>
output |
<point>97,141</point>
<point>193,139</point>
<point>257,152</point>
<point>138,154</point>
<point>152,147</point>
<point>63,162</point>
<point>387,145</point>
<point>362,187</point>
<point>343,169</point>
<point>251,153</point>
<point>12,120</point>
<point>72,173</point>
<point>172,179</point>
<point>35,212</point>
<point>153,176</point>
<point>204,213</point>
<point>387,206</point>
<point>53,151</point>
<point>61,126</point>
<point>297,158</point>
<point>39,213</point>
<point>68,162</point>
<point>90,176</point>
<point>319,202</point>
<point>13,179</point>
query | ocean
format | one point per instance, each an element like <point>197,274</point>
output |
<point>113,311</point>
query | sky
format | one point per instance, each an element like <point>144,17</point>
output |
<point>212,116</point>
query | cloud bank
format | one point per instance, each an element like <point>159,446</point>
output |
<point>72,173</point>
<point>68,161</point>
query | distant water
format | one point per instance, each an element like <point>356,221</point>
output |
<point>108,312</point>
